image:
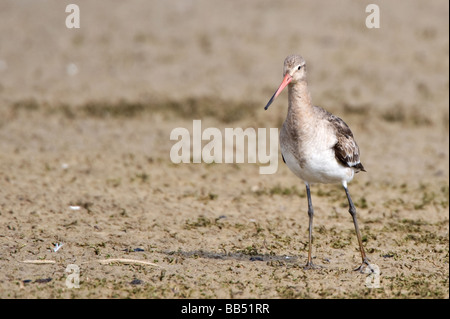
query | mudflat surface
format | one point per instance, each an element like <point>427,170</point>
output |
<point>85,122</point>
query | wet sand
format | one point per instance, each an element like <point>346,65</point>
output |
<point>85,122</point>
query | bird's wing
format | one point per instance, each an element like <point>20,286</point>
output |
<point>346,149</point>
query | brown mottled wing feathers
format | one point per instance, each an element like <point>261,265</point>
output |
<point>346,149</point>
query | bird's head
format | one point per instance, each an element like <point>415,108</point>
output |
<point>294,70</point>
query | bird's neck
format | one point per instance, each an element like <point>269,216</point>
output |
<point>300,104</point>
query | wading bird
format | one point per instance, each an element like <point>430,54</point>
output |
<point>317,146</point>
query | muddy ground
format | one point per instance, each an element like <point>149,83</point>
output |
<point>85,122</point>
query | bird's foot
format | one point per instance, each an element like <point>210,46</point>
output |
<point>365,267</point>
<point>310,265</point>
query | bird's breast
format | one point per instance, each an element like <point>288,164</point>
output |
<point>310,155</point>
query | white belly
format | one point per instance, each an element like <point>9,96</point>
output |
<point>317,166</point>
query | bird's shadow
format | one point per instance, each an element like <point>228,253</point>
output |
<point>233,256</point>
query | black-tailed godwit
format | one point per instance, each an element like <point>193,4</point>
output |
<point>317,146</point>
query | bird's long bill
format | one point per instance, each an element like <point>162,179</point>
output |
<point>287,79</point>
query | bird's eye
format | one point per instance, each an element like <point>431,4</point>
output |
<point>299,67</point>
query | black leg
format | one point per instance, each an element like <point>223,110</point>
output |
<point>352,211</point>
<point>309,263</point>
